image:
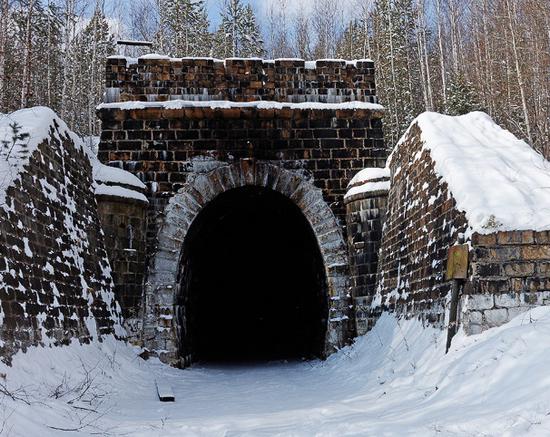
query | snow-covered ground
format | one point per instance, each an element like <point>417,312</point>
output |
<point>395,381</point>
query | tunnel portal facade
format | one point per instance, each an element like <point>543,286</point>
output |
<point>242,252</point>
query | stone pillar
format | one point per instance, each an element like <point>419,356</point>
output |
<point>124,223</point>
<point>365,213</point>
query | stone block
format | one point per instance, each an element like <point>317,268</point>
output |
<point>519,269</point>
<point>479,302</point>
<point>536,252</point>
<point>495,317</point>
<point>507,300</point>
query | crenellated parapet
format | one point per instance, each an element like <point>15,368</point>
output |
<point>159,78</point>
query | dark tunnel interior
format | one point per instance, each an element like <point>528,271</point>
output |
<point>252,281</point>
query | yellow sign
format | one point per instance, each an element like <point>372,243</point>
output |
<point>457,262</point>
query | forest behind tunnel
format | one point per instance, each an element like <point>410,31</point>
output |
<point>253,282</point>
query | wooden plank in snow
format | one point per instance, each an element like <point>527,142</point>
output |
<point>165,392</point>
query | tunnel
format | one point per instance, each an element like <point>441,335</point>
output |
<point>252,283</point>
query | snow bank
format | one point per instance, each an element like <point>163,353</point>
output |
<point>499,181</point>
<point>36,125</point>
<point>366,181</point>
<point>225,104</point>
<point>394,381</point>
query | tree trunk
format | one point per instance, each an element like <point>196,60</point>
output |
<point>27,58</point>
<point>512,24</point>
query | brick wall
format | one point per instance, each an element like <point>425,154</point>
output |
<point>164,146</point>
<point>510,274</point>
<point>240,80</point>
<point>422,222</point>
<point>365,215</point>
<point>124,223</point>
<point>54,273</point>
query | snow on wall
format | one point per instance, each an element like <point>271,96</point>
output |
<point>365,201</point>
<point>55,279</point>
<point>225,104</point>
<point>369,180</point>
<point>464,176</point>
<point>421,223</point>
<point>112,181</point>
<point>499,181</point>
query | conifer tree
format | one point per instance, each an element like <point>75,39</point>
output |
<point>239,34</point>
<point>352,44</point>
<point>92,47</point>
<point>461,97</point>
<point>186,27</point>
<point>397,73</point>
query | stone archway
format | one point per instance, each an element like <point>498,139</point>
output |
<point>161,329</point>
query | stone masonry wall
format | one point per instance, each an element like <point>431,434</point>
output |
<point>365,215</point>
<point>240,80</point>
<point>124,223</point>
<point>422,223</point>
<point>164,146</point>
<point>55,278</point>
<point>510,274</point>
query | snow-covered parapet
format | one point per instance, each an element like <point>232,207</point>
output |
<point>369,181</point>
<point>499,181</point>
<point>113,181</point>
<point>225,104</point>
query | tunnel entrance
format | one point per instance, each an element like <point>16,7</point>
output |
<point>252,284</point>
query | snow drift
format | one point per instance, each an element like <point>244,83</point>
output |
<point>394,381</point>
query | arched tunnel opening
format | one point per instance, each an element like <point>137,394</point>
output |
<point>252,281</point>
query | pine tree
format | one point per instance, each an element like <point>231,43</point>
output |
<point>91,48</point>
<point>186,27</point>
<point>354,41</point>
<point>461,97</point>
<point>239,34</point>
<point>394,45</point>
<point>252,43</point>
